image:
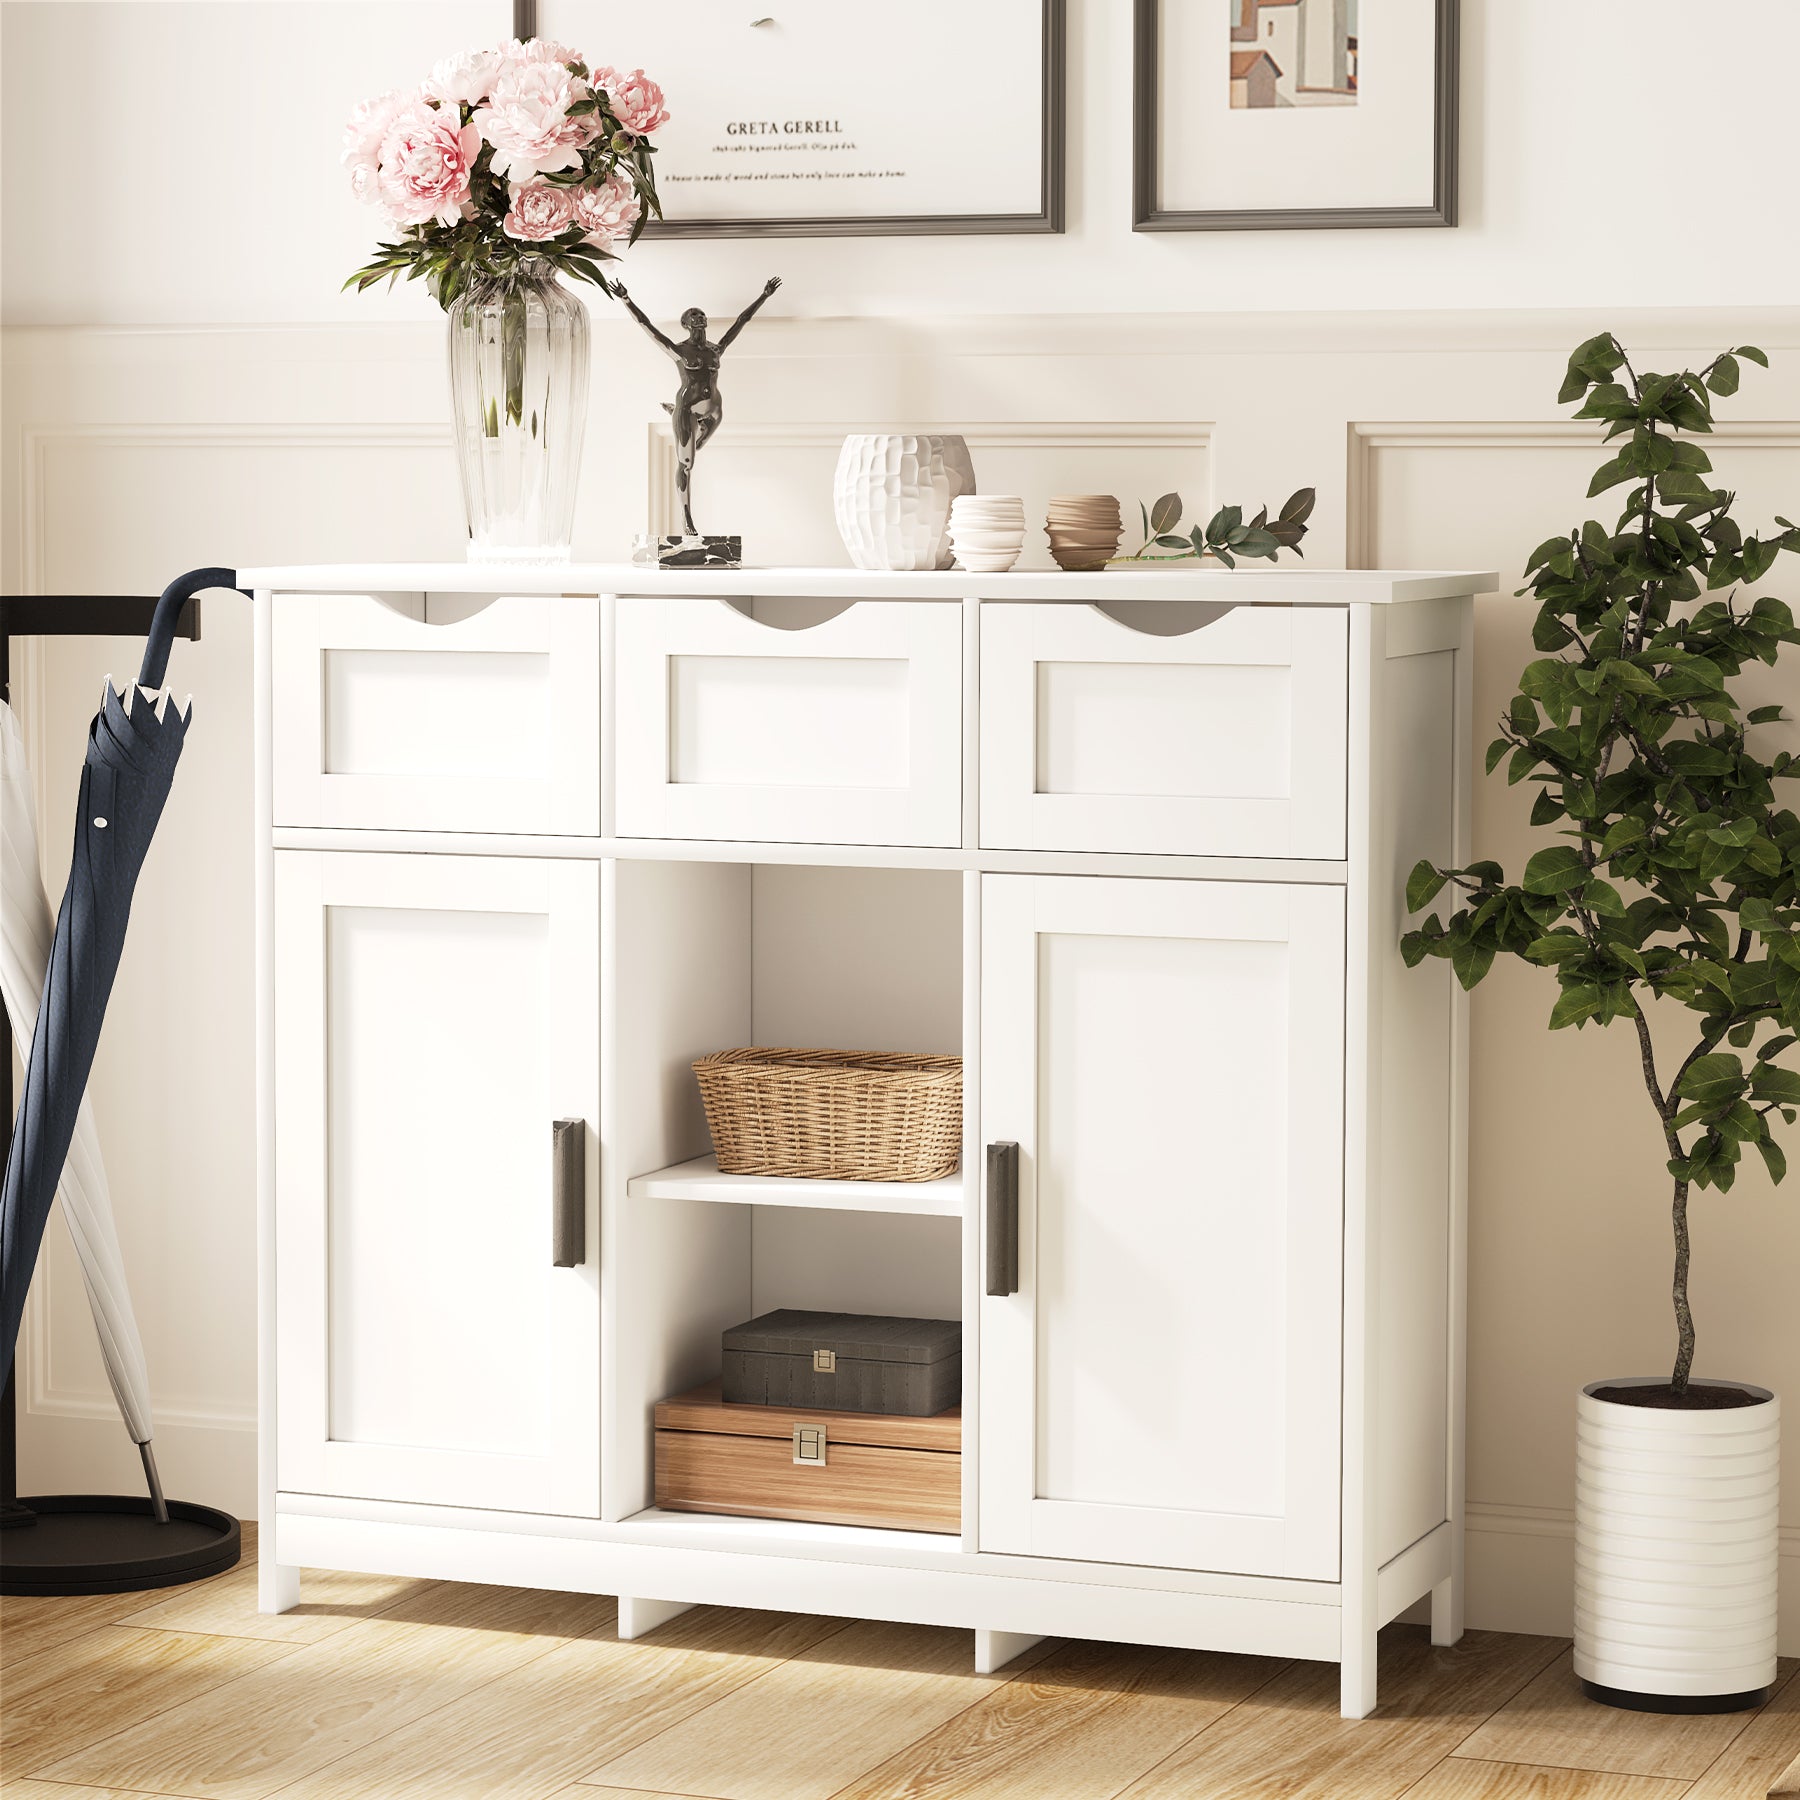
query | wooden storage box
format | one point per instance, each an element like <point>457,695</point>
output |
<point>826,1468</point>
<point>848,1362</point>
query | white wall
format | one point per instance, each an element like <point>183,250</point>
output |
<point>1589,130</point>
<point>191,400</point>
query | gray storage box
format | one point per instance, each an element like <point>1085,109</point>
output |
<point>844,1362</point>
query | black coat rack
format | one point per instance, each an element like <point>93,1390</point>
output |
<point>90,1543</point>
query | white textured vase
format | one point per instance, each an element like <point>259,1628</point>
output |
<point>1676,1548</point>
<point>893,493</point>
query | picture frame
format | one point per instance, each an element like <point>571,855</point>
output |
<point>1430,152</point>
<point>1043,211</point>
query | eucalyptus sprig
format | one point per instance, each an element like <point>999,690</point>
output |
<point>1225,535</point>
<point>1677,873</point>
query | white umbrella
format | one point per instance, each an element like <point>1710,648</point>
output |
<point>27,927</point>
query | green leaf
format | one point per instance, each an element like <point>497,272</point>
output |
<point>1712,1080</point>
<point>1722,378</point>
<point>1772,1155</point>
<point>1574,1005</point>
<point>1165,515</point>
<point>1297,508</point>
<point>1780,1086</point>
<point>1423,886</point>
<point>1471,961</point>
<point>1750,353</point>
<point>1610,474</point>
<point>1555,871</point>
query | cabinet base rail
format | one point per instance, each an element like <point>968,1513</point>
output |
<point>1007,1613</point>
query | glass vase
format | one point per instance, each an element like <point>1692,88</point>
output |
<point>519,390</point>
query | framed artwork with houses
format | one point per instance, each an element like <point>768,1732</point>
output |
<point>1268,115</point>
<point>784,124</point>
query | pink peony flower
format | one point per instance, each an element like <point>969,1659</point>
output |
<point>539,211</point>
<point>464,80</point>
<point>367,126</point>
<point>527,120</point>
<point>541,50</point>
<point>637,101</point>
<point>606,212</point>
<point>425,162</point>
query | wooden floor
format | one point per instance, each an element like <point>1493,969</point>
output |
<point>387,1689</point>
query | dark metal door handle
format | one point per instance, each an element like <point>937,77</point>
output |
<point>568,1193</point>
<point>1003,1218</point>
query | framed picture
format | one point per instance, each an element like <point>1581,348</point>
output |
<point>1267,115</point>
<point>819,118</point>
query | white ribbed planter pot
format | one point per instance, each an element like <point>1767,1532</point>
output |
<point>1676,1551</point>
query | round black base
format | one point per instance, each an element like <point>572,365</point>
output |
<point>1675,1703</point>
<point>112,1544</point>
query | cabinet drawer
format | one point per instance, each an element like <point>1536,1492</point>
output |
<point>447,720</point>
<point>847,731</point>
<point>1226,740</point>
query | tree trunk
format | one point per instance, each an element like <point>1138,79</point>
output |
<point>1684,1316</point>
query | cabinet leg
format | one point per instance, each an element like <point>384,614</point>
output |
<point>637,1617</point>
<point>1447,1611</point>
<point>995,1649</point>
<point>277,1585</point>
<point>1356,1674</point>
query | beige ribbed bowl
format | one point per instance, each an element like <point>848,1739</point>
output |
<point>1083,529</point>
<point>833,1115</point>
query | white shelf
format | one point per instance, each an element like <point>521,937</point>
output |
<point>701,1180</point>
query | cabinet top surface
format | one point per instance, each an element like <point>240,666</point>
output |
<point>1279,587</point>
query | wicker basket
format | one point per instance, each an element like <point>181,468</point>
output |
<point>840,1115</point>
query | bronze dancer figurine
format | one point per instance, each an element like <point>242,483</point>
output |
<point>698,408</point>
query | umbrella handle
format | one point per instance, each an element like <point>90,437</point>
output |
<point>168,609</point>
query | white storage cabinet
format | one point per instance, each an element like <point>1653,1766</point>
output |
<point>1132,843</point>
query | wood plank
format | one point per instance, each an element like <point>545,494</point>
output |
<point>701,1409</point>
<point>815,1723</point>
<point>103,1681</point>
<point>1764,1759</point>
<point>31,1624</point>
<point>1288,1739</point>
<point>29,1789</point>
<point>583,1703</point>
<point>1463,1778</point>
<point>1552,1722</point>
<point>226,1606</point>
<point>1079,1724</point>
<point>858,1484</point>
<point>323,1701</point>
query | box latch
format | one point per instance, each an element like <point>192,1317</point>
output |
<point>825,1362</point>
<point>809,1444</point>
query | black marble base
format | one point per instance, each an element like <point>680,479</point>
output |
<point>680,552</point>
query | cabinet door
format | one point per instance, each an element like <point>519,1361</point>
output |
<point>1163,1386</point>
<point>434,1016</point>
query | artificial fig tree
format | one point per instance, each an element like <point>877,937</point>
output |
<point>1675,877</point>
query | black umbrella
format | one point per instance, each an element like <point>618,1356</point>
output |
<point>133,746</point>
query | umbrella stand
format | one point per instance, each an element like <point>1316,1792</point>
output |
<point>93,1543</point>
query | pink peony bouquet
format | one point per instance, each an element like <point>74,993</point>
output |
<point>503,156</point>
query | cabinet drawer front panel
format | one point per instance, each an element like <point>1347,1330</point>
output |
<point>1229,740</point>
<point>483,722</point>
<point>434,1017</point>
<point>845,732</point>
<point>858,1484</point>
<point>1163,1388</point>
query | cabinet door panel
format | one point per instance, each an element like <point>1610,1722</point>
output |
<point>845,732</point>
<point>434,1017</point>
<point>1227,740</point>
<point>1163,1388</point>
<point>484,722</point>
